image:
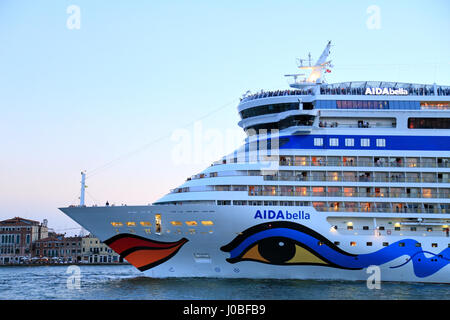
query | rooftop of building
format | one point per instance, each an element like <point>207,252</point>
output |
<point>18,221</point>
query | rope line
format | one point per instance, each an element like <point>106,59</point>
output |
<point>95,171</point>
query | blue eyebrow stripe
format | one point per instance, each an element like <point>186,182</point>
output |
<point>422,268</point>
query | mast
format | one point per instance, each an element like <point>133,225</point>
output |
<point>83,187</point>
<point>315,76</point>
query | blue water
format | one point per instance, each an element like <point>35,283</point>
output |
<point>125,282</point>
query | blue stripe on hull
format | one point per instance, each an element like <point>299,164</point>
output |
<point>428,143</point>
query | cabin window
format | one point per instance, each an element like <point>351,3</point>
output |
<point>334,142</point>
<point>318,142</point>
<point>349,142</point>
<point>381,142</point>
<point>117,224</point>
<point>157,223</point>
<point>365,142</point>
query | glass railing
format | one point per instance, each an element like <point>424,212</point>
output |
<point>355,179</point>
<point>309,193</point>
<point>387,209</point>
<point>348,163</point>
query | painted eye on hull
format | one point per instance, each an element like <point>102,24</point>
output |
<point>286,243</point>
<point>280,251</point>
<point>276,250</point>
<point>277,243</point>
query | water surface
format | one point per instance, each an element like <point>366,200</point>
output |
<point>127,283</point>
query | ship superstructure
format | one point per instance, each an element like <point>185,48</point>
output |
<point>332,179</point>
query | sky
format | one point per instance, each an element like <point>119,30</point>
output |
<point>143,94</point>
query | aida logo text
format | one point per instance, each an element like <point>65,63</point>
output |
<point>386,91</point>
<point>272,214</point>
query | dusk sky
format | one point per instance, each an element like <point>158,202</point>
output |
<point>136,74</point>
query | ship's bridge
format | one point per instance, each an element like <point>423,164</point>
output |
<point>277,110</point>
<point>288,108</point>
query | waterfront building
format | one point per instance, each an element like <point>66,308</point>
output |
<point>16,239</point>
<point>95,251</point>
<point>56,248</point>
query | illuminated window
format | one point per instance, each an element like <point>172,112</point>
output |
<point>385,244</point>
<point>318,191</point>
<point>319,206</point>
<point>191,231</point>
<point>429,229</point>
<point>148,231</point>
<point>131,224</point>
<point>176,223</point>
<point>145,224</point>
<point>348,192</point>
<point>191,223</point>
<point>438,105</point>
<point>117,224</point>
<point>334,207</point>
<point>301,191</point>
<point>353,244</point>
<point>320,243</point>
<point>434,245</point>
<point>207,223</point>
<point>157,223</point>
<point>334,176</point>
<point>426,193</point>
<point>300,161</point>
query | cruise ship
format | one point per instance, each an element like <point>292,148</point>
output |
<point>333,180</point>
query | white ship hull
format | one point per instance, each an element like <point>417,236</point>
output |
<point>204,255</point>
<point>351,175</point>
